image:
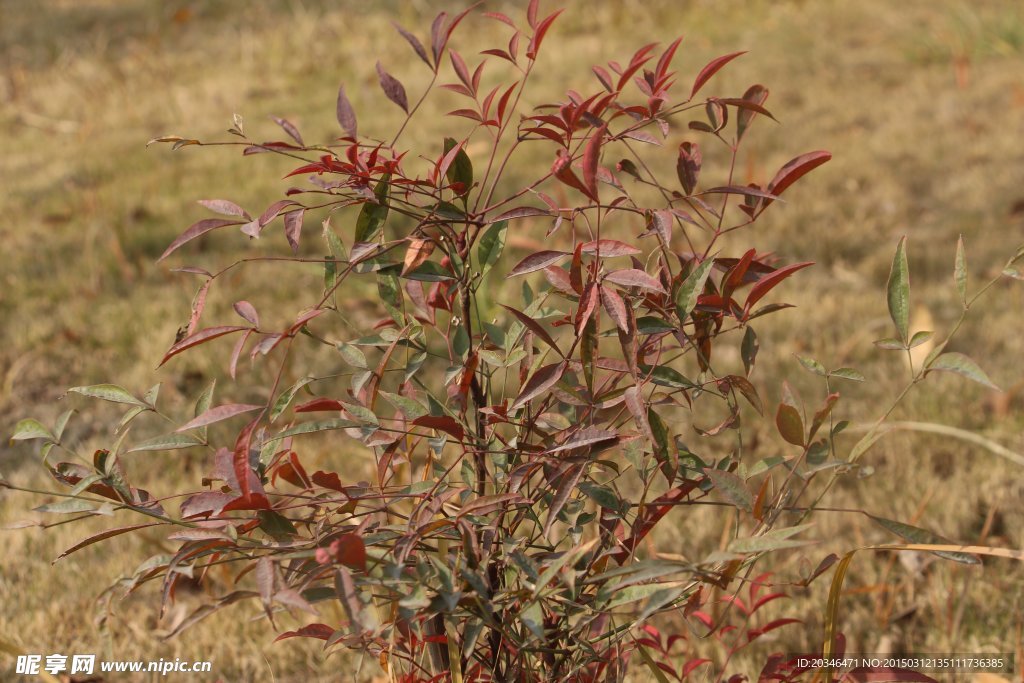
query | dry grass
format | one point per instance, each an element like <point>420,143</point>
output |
<point>920,102</point>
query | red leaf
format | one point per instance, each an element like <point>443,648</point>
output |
<point>796,169</point>
<point>346,115</point>
<point>200,337</point>
<point>591,155</point>
<point>392,88</point>
<point>562,170</point>
<point>217,414</point>
<point>329,480</point>
<point>711,69</point>
<point>194,231</point>
<point>765,284</point>
<point>633,277</point>
<point>540,32</point>
<point>319,405</point>
<point>444,423</point>
<point>240,461</point>
<point>536,261</point>
<point>541,381</point>
<point>348,549</point>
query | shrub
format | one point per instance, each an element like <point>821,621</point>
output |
<point>524,435</point>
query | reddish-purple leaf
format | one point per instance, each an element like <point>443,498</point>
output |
<point>217,414</point>
<point>536,261</point>
<point>796,169</point>
<point>688,166</point>
<point>535,327</point>
<point>320,631</point>
<point>224,207</point>
<point>194,231</point>
<point>588,304</point>
<point>609,248</point>
<point>200,337</point>
<point>634,400</point>
<point>247,311</point>
<point>520,212</point>
<point>744,190</point>
<point>273,210</point>
<point>616,308</point>
<point>293,228</point>
<point>585,437</point>
<point>418,252</point>
<point>711,69</point>
<point>237,352</point>
<point>346,114</point>
<point>633,277</point>
<point>444,423</point>
<point>765,284</point>
<point>103,535</point>
<point>198,305</point>
<point>541,381</point>
<point>290,129</point>
<point>591,155</point>
<point>417,46</point>
<point>392,88</point>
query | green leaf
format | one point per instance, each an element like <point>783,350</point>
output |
<point>920,338</point>
<point>167,442</point>
<point>812,365</point>
<point>847,373</point>
<point>890,344</point>
<point>410,407</point>
<point>203,404</point>
<point>691,288</point>
<point>961,365</point>
<point>461,168</point>
<point>960,271</point>
<point>67,506</point>
<point>389,291</point>
<point>492,243</point>
<point>108,392</point>
<point>898,290</point>
<point>650,324</point>
<point>31,429</point>
<point>371,216</point>
<point>429,271</point>
<point>318,426</point>
<point>788,419</point>
<point>282,402</point>
<point>732,488</point>
<point>915,534</point>
<point>664,376</point>
<point>778,539</point>
<point>602,495</point>
<point>353,355</point>
<point>748,350</point>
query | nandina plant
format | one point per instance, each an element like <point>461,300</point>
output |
<point>521,415</point>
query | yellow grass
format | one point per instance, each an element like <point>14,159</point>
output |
<point>920,102</point>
